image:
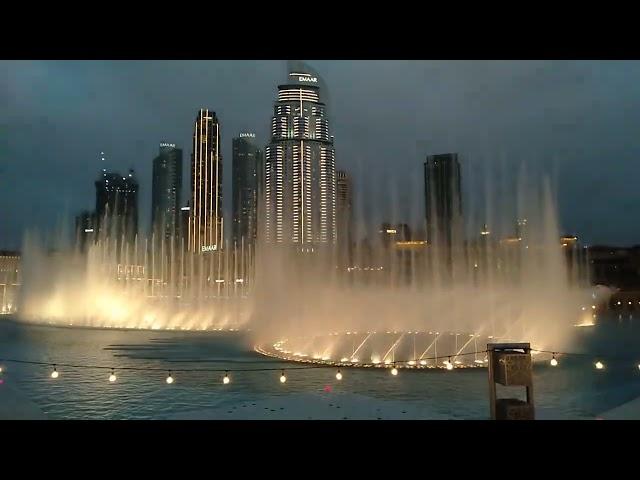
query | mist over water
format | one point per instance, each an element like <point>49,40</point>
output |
<point>505,285</point>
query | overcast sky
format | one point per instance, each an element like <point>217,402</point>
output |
<point>577,121</point>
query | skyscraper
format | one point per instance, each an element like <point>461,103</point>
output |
<point>165,192</point>
<point>205,220</point>
<point>344,215</point>
<point>300,175</point>
<point>86,229</point>
<point>443,198</point>
<point>117,205</point>
<point>247,159</point>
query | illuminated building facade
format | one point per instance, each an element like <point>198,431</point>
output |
<point>86,229</point>
<point>247,159</point>
<point>165,191</point>
<point>205,221</point>
<point>390,234</point>
<point>344,216</point>
<point>300,174</point>
<point>117,206</point>
<point>9,280</point>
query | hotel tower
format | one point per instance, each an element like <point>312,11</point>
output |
<point>300,173</point>
<point>205,219</point>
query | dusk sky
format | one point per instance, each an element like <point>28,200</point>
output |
<point>577,121</point>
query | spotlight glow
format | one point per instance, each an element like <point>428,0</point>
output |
<point>553,362</point>
<point>394,371</point>
<point>599,365</point>
<point>169,379</point>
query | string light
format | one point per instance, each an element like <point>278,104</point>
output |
<point>449,365</point>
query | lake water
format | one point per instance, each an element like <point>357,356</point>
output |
<point>573,390</point>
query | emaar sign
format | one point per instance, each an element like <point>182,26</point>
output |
<point>308,79</point>
<point>209,248</point>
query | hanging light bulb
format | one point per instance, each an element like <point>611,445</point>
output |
<point>169,379</point>
<point>599,365</point>
<point>339,375</point>
<point>226,378</point>
<point>554,362</point>
<point>112,377</point>
<point>283,377</point>
<point>394,371</point>
<point>54,374</point>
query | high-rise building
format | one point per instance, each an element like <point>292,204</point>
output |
<point>205,222</point>
<point>300,175</point>
<point>117,205</point>
<point>390,234</point>
<point>165,191</point>
<point>10,281</point>
<point>247,159</point>
<point>86,229</point>
<point>443,198</point>
<point>184,225</point>
<point>344,215</point>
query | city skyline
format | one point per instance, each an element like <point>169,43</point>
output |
<point>591,193</point>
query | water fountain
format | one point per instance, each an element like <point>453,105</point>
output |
<point>407,304</point>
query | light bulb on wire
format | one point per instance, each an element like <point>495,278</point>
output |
<point>554,362</point>
<point>394,371</point>
<point>112,377</point>
<point>599,365</point>
<point>54,374</point>
<point>339,375</point>
<point>226,378</point>
<point>169,379</point>
<point>283,377</point>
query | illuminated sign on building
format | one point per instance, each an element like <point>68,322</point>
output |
<point>209,248</point>
<point>247,135</point>
<point>170,145</point>
<point>308,79</point>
